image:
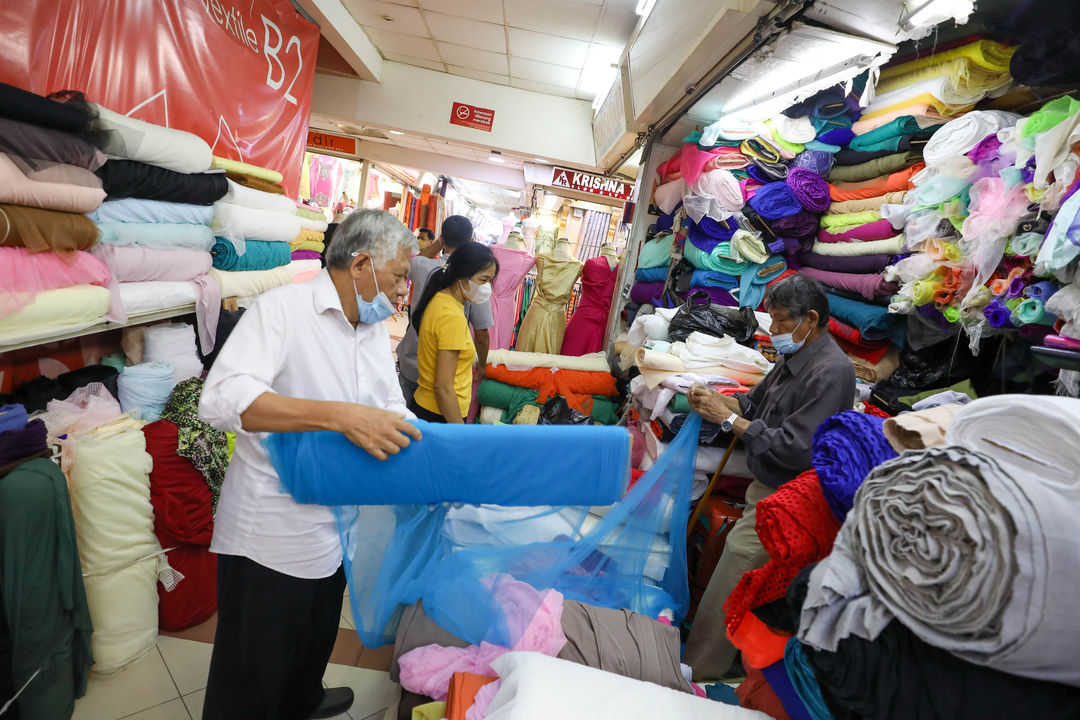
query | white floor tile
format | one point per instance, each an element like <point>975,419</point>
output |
<point>346,614</point>
<point>373,689</point>
<point>172,710</point>
<point>188,662</point>
<point>144,684</point>
<point>194,703</point>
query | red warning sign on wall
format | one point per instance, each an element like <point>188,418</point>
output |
<point>470,116</point>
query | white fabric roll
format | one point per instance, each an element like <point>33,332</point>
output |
<point>490,415</point>
<point>245,283</point>
<point>143,297</point>
<point>257,199</point>
<point>168,148</point>
<point>237,223</point>
<point>311,224</point>
<point>512,359</point>
<point>296,267</point>
<point>175,343</point>
<point>959,136</point>
<point>124,610</point>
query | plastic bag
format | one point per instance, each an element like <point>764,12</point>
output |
<point>698,314</point>
<point>557,412</point>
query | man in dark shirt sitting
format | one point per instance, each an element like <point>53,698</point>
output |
<point>776,421</point>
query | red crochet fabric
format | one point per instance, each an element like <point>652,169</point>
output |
<point>796,528</point>
<point>875,411</point>
<point>184,522</point>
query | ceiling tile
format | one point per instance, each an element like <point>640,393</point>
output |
<point>372,14</point>
<point>544,72</point>
<point>418,62</point>
<point>497,78</point>
<point>471,33</point>
<point>392,42</point>
<point>557,17</point>
<point>473,58</point>
<point>542,87</point>
<point>486,10</point>
<point>624,5</point>
<point>547,48</point>
<point>615,26</point>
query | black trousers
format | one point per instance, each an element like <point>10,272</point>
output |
<point>424,413</point>
<point>274,637</point>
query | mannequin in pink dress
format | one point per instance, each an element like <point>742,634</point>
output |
<point>514,263</point>
<point>585,331</point>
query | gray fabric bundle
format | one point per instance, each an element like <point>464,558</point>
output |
<point>972,559</point>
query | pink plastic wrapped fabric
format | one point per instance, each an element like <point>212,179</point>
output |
<point>669,195</point>
<point>995,210</point>
<point>23,275</point>
<point>87,408</point>
<point>722,186</point>
<point>877,230</point>
<point>145,264</point>
<point>869,286</point>
<point>483,699</point>
<point>670,169</point>
<point>534,617</point>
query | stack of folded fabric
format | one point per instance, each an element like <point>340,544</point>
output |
<point>48,282</point>
<point>309,244</point>
<point>519,384</point>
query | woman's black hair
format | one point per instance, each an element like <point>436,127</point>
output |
<point>463,263</point>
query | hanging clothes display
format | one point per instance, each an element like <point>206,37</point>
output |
<point>544,325</point>
<point>585,331</point>
<point>513,266</point>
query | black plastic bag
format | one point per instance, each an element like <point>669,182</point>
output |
<point>557,412</point>
<point>698,314</point>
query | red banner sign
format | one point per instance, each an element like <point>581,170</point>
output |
<point>333,143</point>
<point>471,116</point>
<point>592,184</point>
<point>237,74</point>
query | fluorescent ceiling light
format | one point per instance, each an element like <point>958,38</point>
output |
<point>539,160</point>
<point>926,13</point>
<point>600,72</point>
<point>497,158</point>
<point>644,7</point>
<point>396,132</point>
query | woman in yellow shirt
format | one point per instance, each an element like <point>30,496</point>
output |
<point>445,352</point>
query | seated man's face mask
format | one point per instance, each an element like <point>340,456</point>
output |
<point>786,344</point>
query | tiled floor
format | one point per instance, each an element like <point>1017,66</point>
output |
<point>169,682</point>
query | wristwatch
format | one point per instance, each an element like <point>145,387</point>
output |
<point>729,422</point>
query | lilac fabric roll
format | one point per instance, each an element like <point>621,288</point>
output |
<point>306,255</point>
<point>775,201</point>
<point>24,442</point>
<point>877,230</point>
<point>798,225</point>
<point>997,314</point>
<point>717,296</point>
<point>809,188</point>
<point>642,293</point>
<point>817,161</point>
<point>1016,287</point>
<point>869,285</point>
<point>854,264</point>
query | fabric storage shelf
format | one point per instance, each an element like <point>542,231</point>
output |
<point>134,319</point>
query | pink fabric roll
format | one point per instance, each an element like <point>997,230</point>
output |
<point>925,115</point>
<point>17,188</point>
<point>143,264</point>
<point>305,277</point>
<point>669,195</point>
<point>877,230</point>
<point>23,275</point>
<point>869,286</point>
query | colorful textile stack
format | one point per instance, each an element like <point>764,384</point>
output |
<point>519,384</point>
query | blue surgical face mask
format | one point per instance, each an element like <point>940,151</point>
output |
<point>379,309</point>
<point>785,343</point>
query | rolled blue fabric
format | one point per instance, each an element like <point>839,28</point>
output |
<point>137,210</point>
<point>514,465</point>
<point>805,682</point>
<point>823,146</point>
<point>163,236</point>
<point>846,448</point>
<point>12,417</point>
<point>873,321</point>
<point>711,278</point>
<point>836,136</point>
<point>1042,290</point>
<point>752,283</point>
<point>775,200</point>
<point>650,275</point>
<point>257,255</point>
<point>146,387</point>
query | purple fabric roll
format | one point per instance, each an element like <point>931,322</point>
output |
<point>837,136</point>
<point>817,161</point>
<point>717,230</point>
<point>775,201</point>
<point>642,293</point>
<point>798,225</point>
<point>717,296</point>
<point>306,255</point>
<point>702,240</point>
<point>997,314</point>
<point>18,444</point>
<point>987,149</point>
<point>869,285</point>
<point>1016,287</point>
<point>810,189</point>
<point>856,264</point>
<point>665,222</point>
<point>877,230</point>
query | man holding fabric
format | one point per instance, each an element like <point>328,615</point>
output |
<point>305,357</point>
<point>776,421</point>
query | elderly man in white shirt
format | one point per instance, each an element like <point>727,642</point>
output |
<point>313,356</point>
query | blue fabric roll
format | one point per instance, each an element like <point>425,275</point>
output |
<point>12,417</point>
<point>752,284</point>
<point>711,278</point>
<point>777,677</point>
<point>137,210</point>
<point>498,464</point>
<point>257,255</point>
<point>146,387</point>
<point>775,200</point>
<point>805,682</point>
<point>846,448</point>
<point>163,236</point>
<point>873,321</point>
<point>650,275</point>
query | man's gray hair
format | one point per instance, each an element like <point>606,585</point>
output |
<point>799,294</point>
<point>375,232</point>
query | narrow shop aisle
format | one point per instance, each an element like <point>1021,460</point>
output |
<point>169,682</point>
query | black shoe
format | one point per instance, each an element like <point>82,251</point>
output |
<point>335,701</point>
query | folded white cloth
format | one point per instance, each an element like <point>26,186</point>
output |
<point>133,139</point>
<point>251,198</point>
<point>701,350</point>
<point>515,360</point>
<point>959,136</point>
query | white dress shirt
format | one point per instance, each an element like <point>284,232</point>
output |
<point>294,341</point>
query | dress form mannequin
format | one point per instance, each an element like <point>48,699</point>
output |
<point>529,226</point>
<point>514,263</point>
<point>514,242</point>
<point>544,324</point>
<point>562,250</point>
<point>608,251</point>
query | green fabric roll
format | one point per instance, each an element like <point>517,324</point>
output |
<point>258,255</point>
<point>43,595</point>
<point>874,168</point>
<point>655,252</point>
<point>951,313</point>
<point>718,260</point>
<point>679,404</point>
<point>116,360</point>
<point>849,220</point>
<point>1026,244</point>
<point>964,386</point>
<point>1050,115</point>
<point>603,410</point>
<point>1032,312</point>
<point>310,214</point>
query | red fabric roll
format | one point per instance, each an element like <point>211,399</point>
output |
<point>194,599</point>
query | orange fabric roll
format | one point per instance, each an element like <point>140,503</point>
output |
<point>462,693</point>
<point>422,215</point>
<point>899,180</point>
<point>761,646</point>
<point>577,386</point>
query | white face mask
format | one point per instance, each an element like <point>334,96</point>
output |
<point>476,292</point>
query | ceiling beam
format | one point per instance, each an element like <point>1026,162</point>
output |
<point>346,36</point>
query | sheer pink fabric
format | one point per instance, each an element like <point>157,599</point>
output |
<point>24,275</point>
